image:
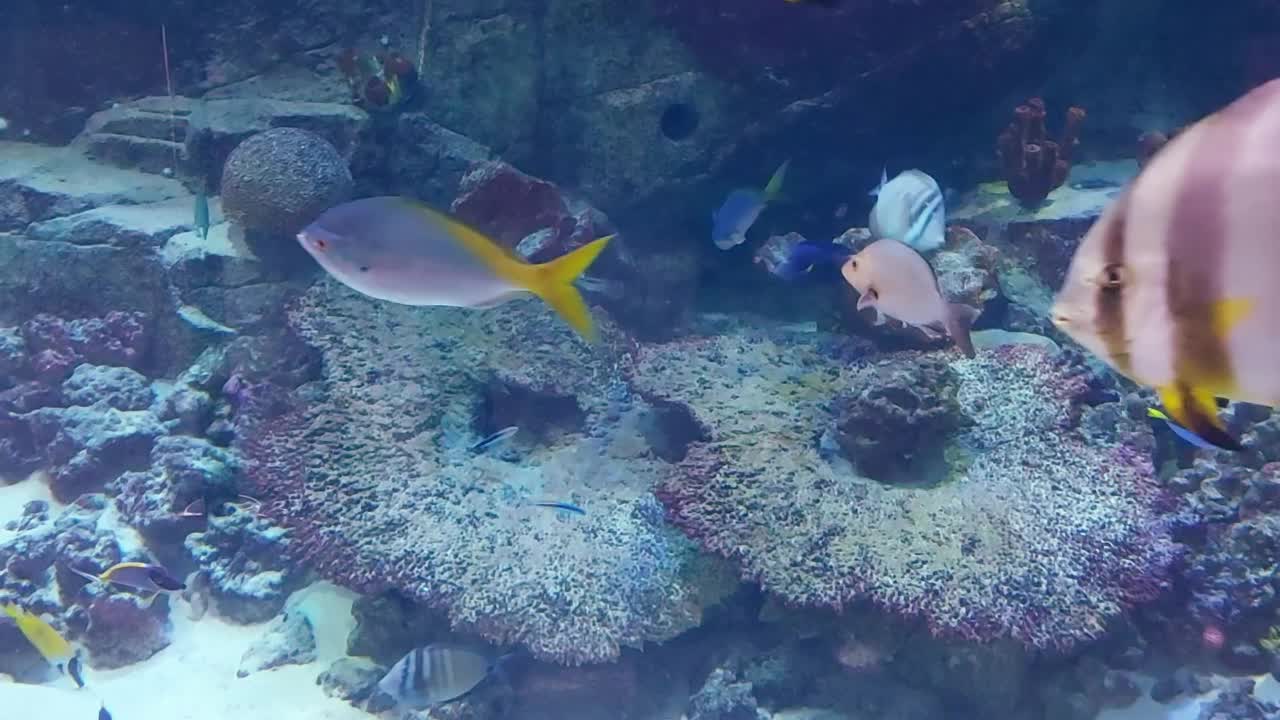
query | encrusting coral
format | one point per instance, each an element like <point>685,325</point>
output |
<point>1029,529</point>
<point>1032,164</point>
<point>371,470</point>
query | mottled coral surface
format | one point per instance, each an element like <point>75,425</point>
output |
<point>372,472</point>
<point>1029,530</point>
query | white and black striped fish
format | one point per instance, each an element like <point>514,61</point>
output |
<point>436,674</point>
<point>909,209</point>
<point>1177,285</point>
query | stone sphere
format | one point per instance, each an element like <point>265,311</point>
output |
<point>279,180</point>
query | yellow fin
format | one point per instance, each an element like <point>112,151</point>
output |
<point>553,282</point>
<point>1154,413</point>
<point>41,634</point>
<point>1229,313</point>
<point>1196,409</point>
<point>775,183</point>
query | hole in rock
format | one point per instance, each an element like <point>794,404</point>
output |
<point>679,121</point>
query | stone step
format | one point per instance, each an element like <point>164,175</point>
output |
<point>161,157</point>
<point>128,226</point>
<point>40,183</point>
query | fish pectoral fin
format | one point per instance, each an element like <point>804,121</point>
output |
<point>868,299</point>
<point>1229,313</point>
<point>880,318</point>
<point>1197,410</point>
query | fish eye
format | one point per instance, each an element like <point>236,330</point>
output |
<point>364,268</point>
<point>320,243</point>
<point>1113,276</point>
<point>853,264</point>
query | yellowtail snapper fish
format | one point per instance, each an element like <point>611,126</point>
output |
<point>436,674</point>
<point>495,439</point>
<point>51,645</point>
<point>909,208</point>
<point>896,281</point>
<point>567,507</point>
<point>396,249</point>
<point>1186,435</point>
<point>1175,285</point>
<point>143,577</point>
<point>729,224</point>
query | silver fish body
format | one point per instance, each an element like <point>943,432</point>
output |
<point>391,249</point>
<point>435,674</point>
<point>909,208</point>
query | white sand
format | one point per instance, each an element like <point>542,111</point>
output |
<point>195,677</point>
<point>14,497</point>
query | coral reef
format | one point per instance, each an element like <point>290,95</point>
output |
<point>277,181</point>
<point>1033,165</point>
<point>245,562</point>
<point>967,552</point>
<point>386,450</point>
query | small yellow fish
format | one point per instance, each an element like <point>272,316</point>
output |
<point>151,580</point>
<point>41,634</point>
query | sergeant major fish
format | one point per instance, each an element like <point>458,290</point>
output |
<point>1175,285</point>
<point>729,224</point>
<point>896,281</point>
<point>910,208</point>
<point>436,674</point>
<point>396,249</point>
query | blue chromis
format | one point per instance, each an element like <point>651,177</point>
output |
<point>729,224</point>
<point>1175,285</point>
<point>396,249</point>
<point>805,255</point>
<point>52,646</point>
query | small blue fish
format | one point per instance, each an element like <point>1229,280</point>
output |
<point>1188,436</point>
<point>202,215</point>
<point>805,255</point>
<point>564,506</point>
<point>729,224</point>
<point>494,439</point>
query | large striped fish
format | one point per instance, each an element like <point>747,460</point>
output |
<point>436,674</point>
<point>1177,285</point>
<point>909,209</point>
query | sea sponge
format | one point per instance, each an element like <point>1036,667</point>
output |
<point>1030,531</point>
<point>277,181</point>
<point>371,470</point>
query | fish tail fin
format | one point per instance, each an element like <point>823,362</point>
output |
<point>553,282</point>
<point>1196,409</point>
<point>12,611</point>
<point>960,319</point>
<point>774,188</point>
<point>87,576</point>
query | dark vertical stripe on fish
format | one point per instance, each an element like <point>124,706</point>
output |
<point>1110,300</point>
<point>1195,252</point>
<point>419,674</point>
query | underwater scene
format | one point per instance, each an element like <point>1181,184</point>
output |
<point>640,360</point>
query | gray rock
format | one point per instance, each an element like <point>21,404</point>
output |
<point>146,226</point>
<point>990,677</point>
<point>186,409</point>
<point>277,181</point>
<point>429,161</point>
<point>119,387</point>
<point>351,678</point>
<point>289,640</point>
<point>39,183</point>
<point>244,558</point>
<point>89,446</point>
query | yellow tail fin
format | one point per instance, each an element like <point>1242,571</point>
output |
<point>1196,409</point>
<point>553,282</point>
<point>774,188</point>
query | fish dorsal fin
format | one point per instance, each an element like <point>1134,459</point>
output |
<point>1229,313</point>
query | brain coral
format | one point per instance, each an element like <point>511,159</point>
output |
<point>1028,530</point>
<point>372,472</point>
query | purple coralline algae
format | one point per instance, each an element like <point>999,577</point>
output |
<point>1030,529</point>
<point>370,469</point>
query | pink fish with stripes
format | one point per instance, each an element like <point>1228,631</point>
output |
<point>1177,285</point>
